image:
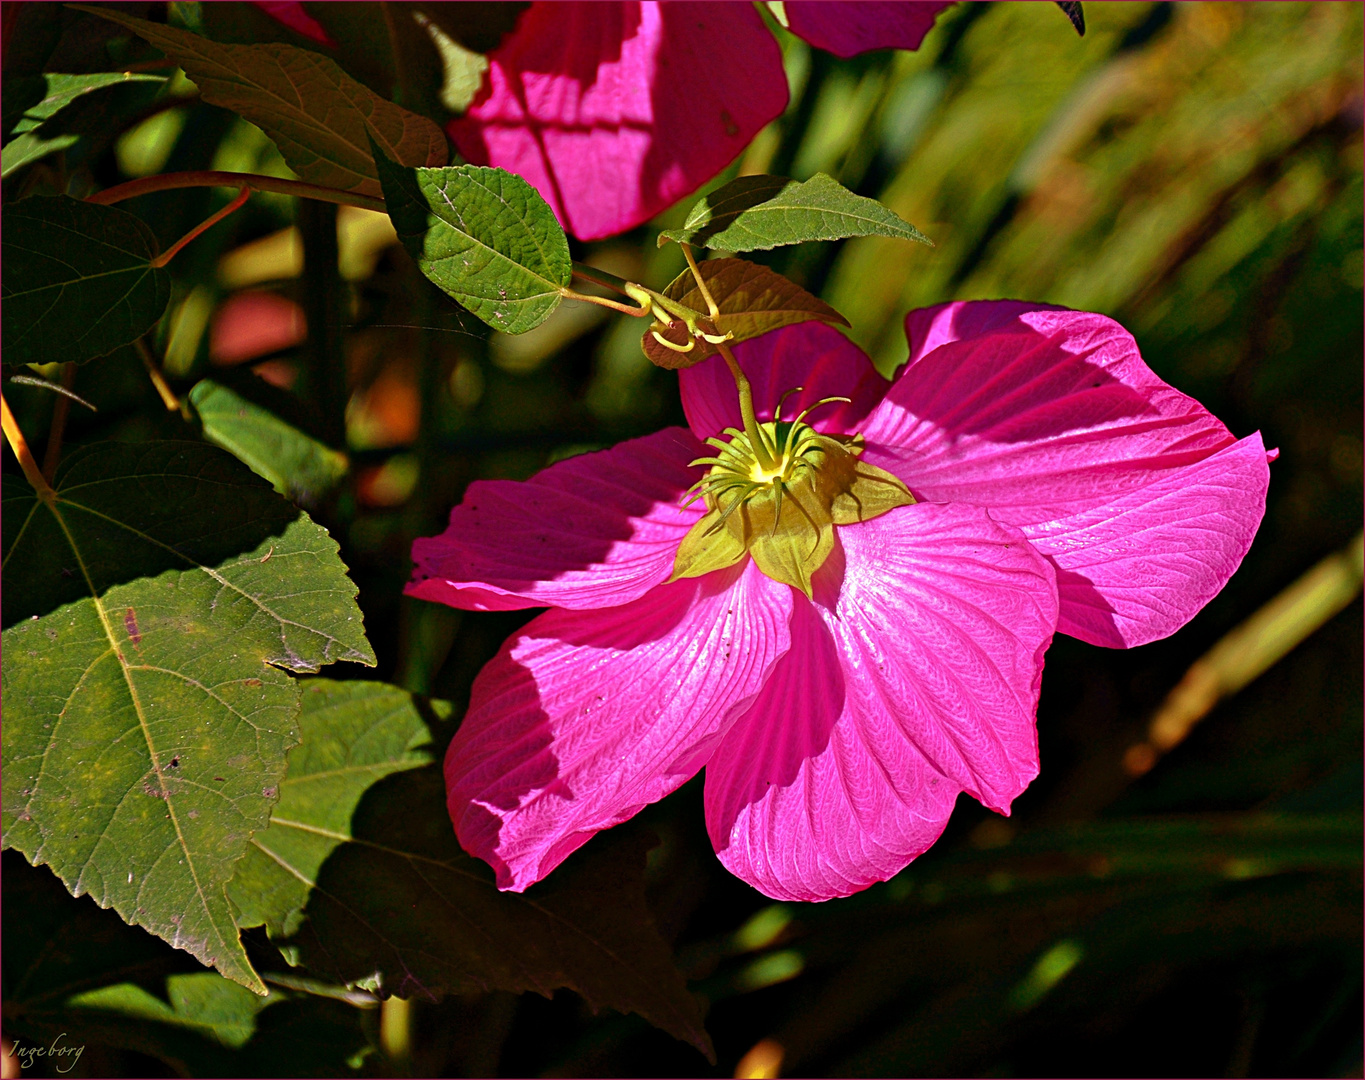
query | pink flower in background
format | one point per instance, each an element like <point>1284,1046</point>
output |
<point>1059,485</point>
<point>614,111</point>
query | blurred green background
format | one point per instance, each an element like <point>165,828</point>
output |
<point>1177,904</point>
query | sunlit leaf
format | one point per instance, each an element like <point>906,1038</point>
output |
<point>36,138</point>
<point>752,300</point>
<point>485,236</point>
<point>315,112</point>
<point>146,723</point>
<point>366,866</point>
<point>78,280</point>
<point>755,213</point>
<point>296,464</point>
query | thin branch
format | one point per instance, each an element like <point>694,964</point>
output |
<point>639,312</point>
<point>232,207</point>
<point>213,178</point>
<point>19,445</point>
<point>56,388</point>
<point>163,388</point>
<point>701,282</point>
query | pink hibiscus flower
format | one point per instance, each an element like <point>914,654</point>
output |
<point>614,111</point>
<point>1047,480</point>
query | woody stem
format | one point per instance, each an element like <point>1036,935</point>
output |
<point>762,452</point>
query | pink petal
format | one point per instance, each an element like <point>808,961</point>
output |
<point>614,111</point>
<point>914,679</point>
<point>811,354</point>
<point>1138,568</point>
<point>1050,419</point>
<point>849,27</point>
<point>293,15</point>
<point>584,718</point>
<point>594,531</point>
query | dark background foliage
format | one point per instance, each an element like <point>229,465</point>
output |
<point>1194,171</point>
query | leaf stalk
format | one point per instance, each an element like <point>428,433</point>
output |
<point>231,208</point>
<point>19,445</point>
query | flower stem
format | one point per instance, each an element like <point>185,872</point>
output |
<point>163,388</point>
<point>600,277</point>
<point>701,282</point>
<point>212,178</point>
<point>19,445</point>
<point>762,452</point>
<point>171,252</point>
<point>60,408</point>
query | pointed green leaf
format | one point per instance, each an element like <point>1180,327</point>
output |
<point>483,235</point>
<point>298,466</point>
<point>146,722</point>
<point>752,300</point>
<point>36,137</point>
<point>755,213</point>
<point>77,280</point>
<point>389,899</point>
<point>316,113</point>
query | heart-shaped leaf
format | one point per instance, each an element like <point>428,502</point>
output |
<point>755,213</point>
<point>77,281</point>
<point>316,113</point>
<point>484,236</point>
<point>146,722</point>
<point>363,869</point>
<point>752,300</point>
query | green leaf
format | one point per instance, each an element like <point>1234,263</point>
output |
<point>147,722</point>
<point>297,465</point>
<point>755,213</point>
<point>204,1003</point>
<point>36,138</point>
<point>752,300</point>
<point>353,733</point>
<point>316,113</point>
<point>80,973</point>
<point>390,900</point>
<point>62,90</point>
<point>78,280</point>
<point>484,236</point>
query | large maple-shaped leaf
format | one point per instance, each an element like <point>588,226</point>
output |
<point>360,865</point>
<point>752,300</point>
<point>153,603</point>
<point>78,280</point>
<point>314,111</point>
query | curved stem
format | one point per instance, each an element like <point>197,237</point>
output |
<point>746,410</point>
<point>701,282</point>
<point>213,178</point>
<point>19,445</point>
<point>171,252</point>
<point>600,277</point>
<point>602,301</point>
<point>163,388</point>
